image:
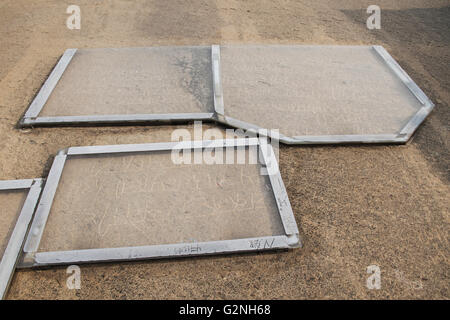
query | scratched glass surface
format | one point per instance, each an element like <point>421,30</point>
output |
<point>134,81</point>
<point>122,200</point>
<point>11,203</point>
<point>314,90</point>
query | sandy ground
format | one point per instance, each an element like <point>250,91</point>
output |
<point>355,205</point>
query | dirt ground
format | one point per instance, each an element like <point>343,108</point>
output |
<point>355,205</point>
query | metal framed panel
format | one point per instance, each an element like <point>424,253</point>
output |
<point>34,116</point>
<point>402,135</point>
<point>35,257</point>
<point>221,113</point>
<point>13,249</point>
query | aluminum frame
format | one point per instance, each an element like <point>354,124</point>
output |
<point>33,258</point>
<point>32,119</point>
<point>13,249</point>
<point>402,136</point>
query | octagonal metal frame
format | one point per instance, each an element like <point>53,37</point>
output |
<point>401,137</point>
<point>33,258</point>
<point>13,249</point>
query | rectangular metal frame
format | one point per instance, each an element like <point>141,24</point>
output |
<point>401,137</point>
<point>34,258</point>
<point>12,252</point>
<point>31,117</point>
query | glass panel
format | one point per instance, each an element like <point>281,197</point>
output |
<point>134,81</point>
<point>314,90</point>
<point>11,203</point>
<point>138,199</point>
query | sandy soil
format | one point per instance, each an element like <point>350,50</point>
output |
<point>355,205</point>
